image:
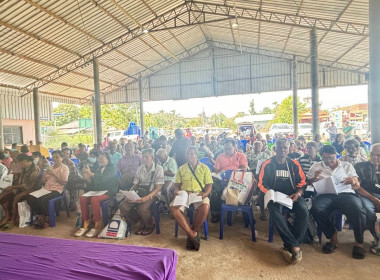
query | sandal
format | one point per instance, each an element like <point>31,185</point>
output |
<point>189,244</point>
<point>329,247</point>
<point>147,231</point>
<point>196,241</point>
<point>6,227</point>
<point>358,252</point>
<point>286,254</point>
<point>139,231</point>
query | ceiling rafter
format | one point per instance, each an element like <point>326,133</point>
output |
<point>35,78</point>
<point>227,11</point>
<point>139,24</point>
<point>291,28</point>
<point>42,91</point>
<point>108,47</point>
<point>31,2</point>
<point>259,29</point>
<point>231,28</point>
<point>337,19</point>
<point>122,25</point>
<point>28,58</point>
<point>350,49</point>
<point>180,16</point>
<point>229,46</point>
<point>171,33</point>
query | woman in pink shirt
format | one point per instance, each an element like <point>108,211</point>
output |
<point>7,161</point>
<point>54,181</point>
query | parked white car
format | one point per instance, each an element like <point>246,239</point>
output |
<point>117,134</point>
<point>280,129</point>
<point>305,129</point>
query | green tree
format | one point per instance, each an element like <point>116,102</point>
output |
<point>70,113</point>
<point>252,107</point>
<point>266,110</point>
<point>284,111</point>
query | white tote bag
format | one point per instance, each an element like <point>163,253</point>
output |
<point>24,214</point>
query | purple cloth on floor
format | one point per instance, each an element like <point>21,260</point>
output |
<point>33,257</point>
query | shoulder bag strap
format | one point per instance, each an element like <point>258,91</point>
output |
<point>192,171</point>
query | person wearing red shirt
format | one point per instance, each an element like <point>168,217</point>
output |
<point>229,160</point>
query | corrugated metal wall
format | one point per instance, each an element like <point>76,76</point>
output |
<point>233,73</point>
<point>21,108</point>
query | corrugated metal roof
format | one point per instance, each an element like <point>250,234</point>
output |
<point>53,40</point>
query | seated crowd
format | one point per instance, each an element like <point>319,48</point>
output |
<point>160,170</point>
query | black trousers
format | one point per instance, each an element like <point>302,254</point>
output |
<point>349,204</point>
<point>40,205</point>
<point>291,236</point>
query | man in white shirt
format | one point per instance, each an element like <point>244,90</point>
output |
<point>347,202</point>
<point>333,131</point>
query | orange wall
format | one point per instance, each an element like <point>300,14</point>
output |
<point>27,128</point>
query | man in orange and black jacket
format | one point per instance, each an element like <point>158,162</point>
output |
<point>285,175</point>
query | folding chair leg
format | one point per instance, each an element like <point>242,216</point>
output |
<point>176,229</point>
<point>252,225</point>
<point>205,228</point>
<point>52,213</point>
<point>229,218</point>
<point>66,206</point>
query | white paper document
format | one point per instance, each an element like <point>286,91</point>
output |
<point>130,195</point>
<point>6,181</point>
<point>333,184</point>
<point>216,175</point>
<point>278,197</point>
<point>185,199</point>
<point>94,193</point>
<point>40,192</point>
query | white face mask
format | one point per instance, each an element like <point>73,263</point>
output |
<point>36,160</point>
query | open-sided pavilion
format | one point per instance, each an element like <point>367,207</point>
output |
<point>119,51</point>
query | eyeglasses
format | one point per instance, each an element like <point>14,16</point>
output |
<point>375,155</point>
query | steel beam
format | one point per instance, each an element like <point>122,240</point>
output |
<point>36,112</point>
<point>142,124</point>
<point>1,124</point>
<point>295,96</point>
<point>180,16</point>
<point>314,77</point>
<point>213,44</point>
<point>374,72</point>
<point>228,12</point>
<point>98,115</point>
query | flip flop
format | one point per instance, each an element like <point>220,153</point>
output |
<point>147,231</point>
<point>329,248</point>
<point>358,252</point>
<point>139,231</point>
<point>6,227</point>
<point>196,241</point>
<point>189,244</point>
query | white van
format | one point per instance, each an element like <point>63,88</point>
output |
<point>117,134</point>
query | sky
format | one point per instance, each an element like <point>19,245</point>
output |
<point>230,105</point>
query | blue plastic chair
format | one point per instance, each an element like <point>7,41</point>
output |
<point>337,218</point>
<point>156,213</point>
<point>190,214</point>
<point>104,204</point>
<point>247,215</point>
<point>52,209</point>
<point>367,144</point>
<point>245,209</point>
<point>207,161</point>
